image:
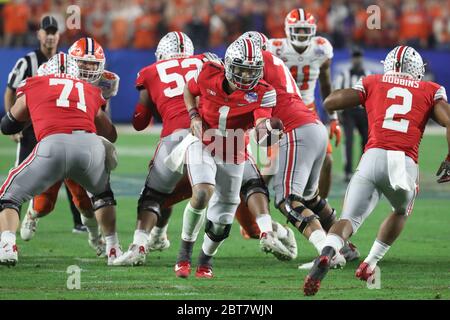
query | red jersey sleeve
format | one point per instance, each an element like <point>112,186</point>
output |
<point>22,88</point>
<point>361,86</point>
<point>193,84</point>
<point>140,82</point>
<point>262,113</point>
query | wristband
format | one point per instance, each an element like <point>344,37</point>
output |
<point>193,113</point>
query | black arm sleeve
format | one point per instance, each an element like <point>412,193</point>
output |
<point>9,125</point>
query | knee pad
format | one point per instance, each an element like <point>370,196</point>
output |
<point>217,232</point>
<point>6,204</point>
<point>43,204</point>
<point>254,186</point>
<point>295,213</point>
<point>318,207</point>
<point>326,221</point>
<point>151,200</point>
<point>103,200</point>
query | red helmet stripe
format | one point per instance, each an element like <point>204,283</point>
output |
<point>180,40</point>
<point>62,65</point>
<point>398,58</point>
<point>249,49</point>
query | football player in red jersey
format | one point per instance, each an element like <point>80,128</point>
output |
<point>64,111</point>
<point>398,105</point>
<point>90,58</point>
<point>160,88</point>
<point>297,180</point>
<point>233,99</point>
<point>308,58</point>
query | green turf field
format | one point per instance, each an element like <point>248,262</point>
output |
<point>416,267</point>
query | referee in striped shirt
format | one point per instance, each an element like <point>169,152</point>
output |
<point>355,117</point>
<point>25,67</point>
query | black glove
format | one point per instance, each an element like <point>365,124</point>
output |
<point>444,169</point>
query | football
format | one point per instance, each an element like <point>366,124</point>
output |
<point>269,132</point>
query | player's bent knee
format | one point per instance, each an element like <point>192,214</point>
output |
<point>320,207</point>
<point>6,204</point>
<point>151,200</point>
<point>295,213</point>
<point>201,194</point>
<point>253,186</point>
<point>103,200</point>
<point>217,232</point>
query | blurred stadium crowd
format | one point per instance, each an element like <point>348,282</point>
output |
<point>212,23</point>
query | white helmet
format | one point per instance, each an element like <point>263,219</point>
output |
<point>406,60</point>
<point>175,44</point>
<point>244,64</point>
<point>258,38</point>
<point>60,63</point>
<point>300,26</point>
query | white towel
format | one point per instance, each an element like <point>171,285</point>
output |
<point>111,159</point>
<point>175,160</point>
<point>398,176</point>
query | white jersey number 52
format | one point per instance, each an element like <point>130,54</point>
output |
<point>402,124</point>
<point>177,78</point>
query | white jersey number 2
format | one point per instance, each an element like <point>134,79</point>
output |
<point>402,124</point>
<point>63,100</point>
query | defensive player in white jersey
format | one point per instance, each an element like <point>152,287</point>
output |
<point>308,57</point>
<point>90,58</point>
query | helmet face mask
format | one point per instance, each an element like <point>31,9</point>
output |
<point>90,69</point>
<point>90,58</point>
<point>174,45</point>
<point>300,27</point>
<point>243,64</point>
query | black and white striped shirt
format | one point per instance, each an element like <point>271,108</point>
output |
<point>25,67</point>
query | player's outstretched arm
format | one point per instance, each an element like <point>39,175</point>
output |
<point>441,113</point>
<point>325,90</point>
<point>14,121</point>
<point>342,99</point>
<point>105,127</point>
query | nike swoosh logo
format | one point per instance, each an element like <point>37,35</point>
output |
<point>177,268</point>
<point>137,114</point>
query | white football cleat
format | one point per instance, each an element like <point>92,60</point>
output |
<point>338,262</point>
<point>135,256</point>
<point>28,227</point>
<point>99,245</point>
<point>8,254</point>
<point>269,243</point>
<point>289,242</point>
<point>158,243</point>
<point>114,254</point>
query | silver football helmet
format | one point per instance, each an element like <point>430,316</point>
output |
<point>244,64</point>
<point>60,63</point>
<point>258,38</point>
<point>175,44</point>
<point>406,60</point>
